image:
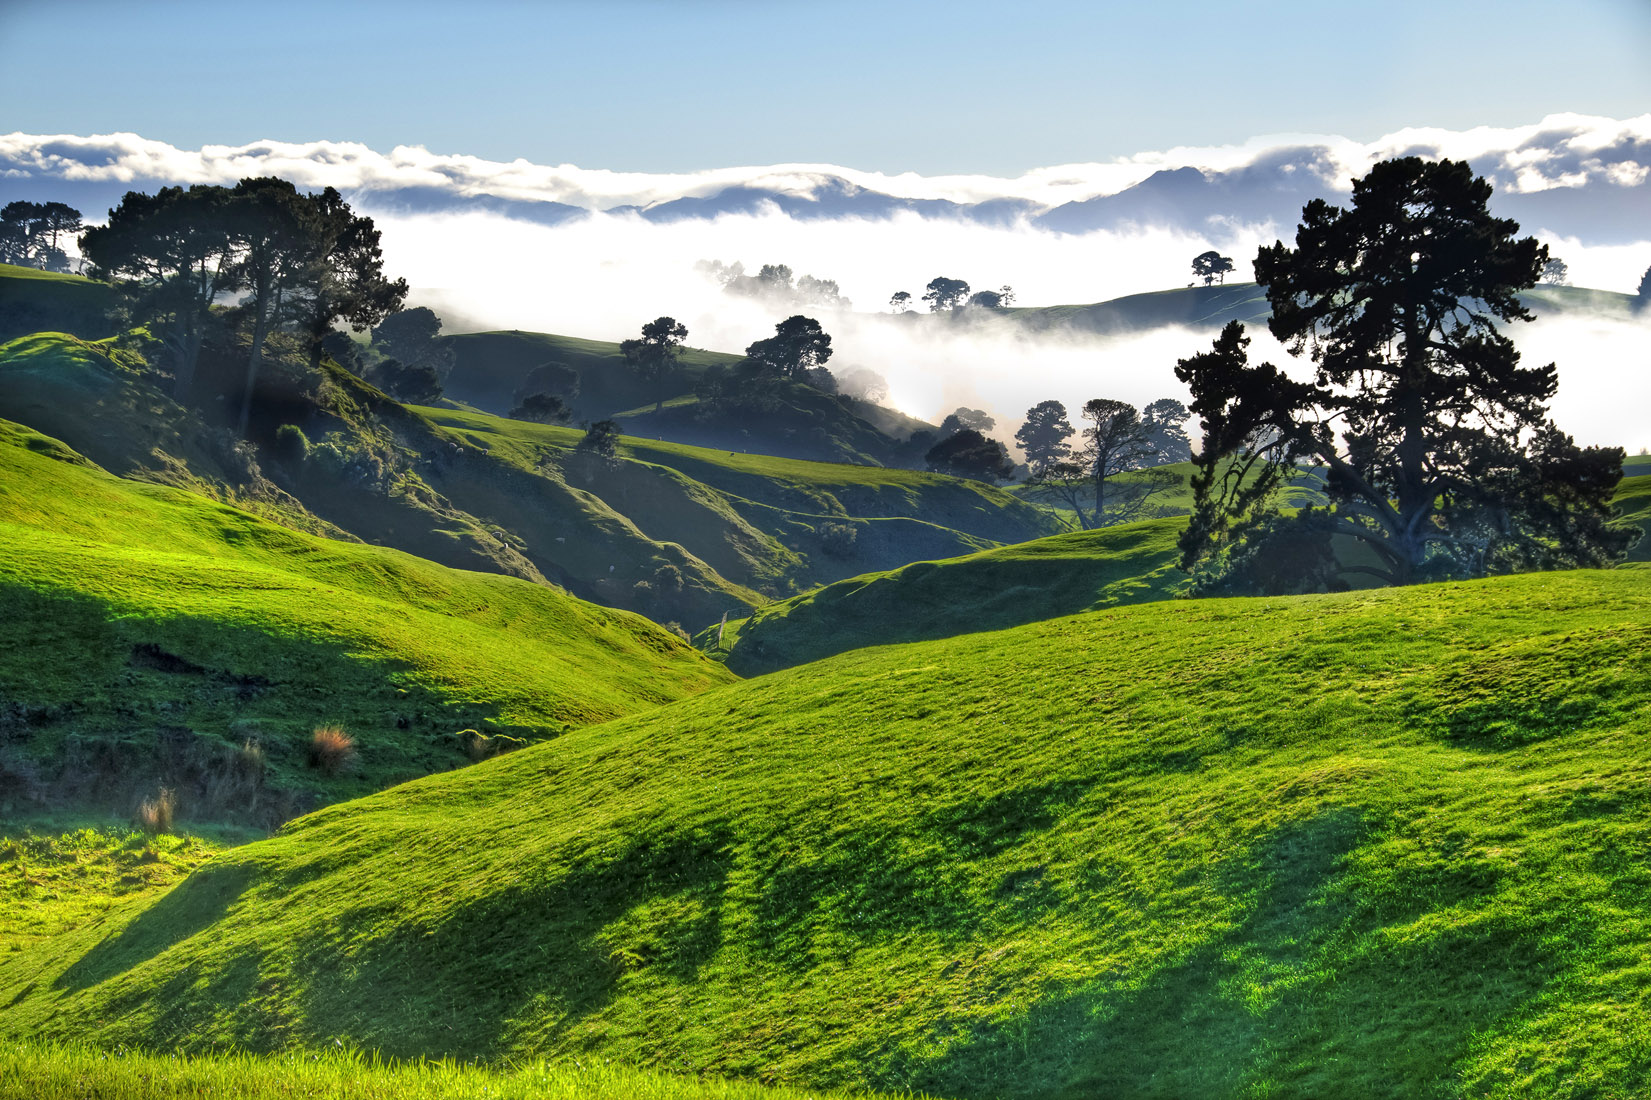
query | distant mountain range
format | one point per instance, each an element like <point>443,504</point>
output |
<point>1573,176</point>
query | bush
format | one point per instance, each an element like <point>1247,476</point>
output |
<point>331,749</point>
<point>292,446</point>
<point>155,814</point>
<point>837,539</point>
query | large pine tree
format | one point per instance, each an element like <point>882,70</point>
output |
<point>1438,455</point>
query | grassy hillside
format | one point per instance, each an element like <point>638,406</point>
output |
<point>40,301</point>
<point>35,1072</point>
<point>150,636</point>
<point>488,367</point>
<point>1372,844</point>
<point>990,590</point>
<point>759,520</point>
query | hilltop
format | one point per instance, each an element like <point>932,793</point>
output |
<point>1379,844</point>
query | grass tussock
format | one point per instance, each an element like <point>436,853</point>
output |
<point>155,815</point>
<point>332,750</point>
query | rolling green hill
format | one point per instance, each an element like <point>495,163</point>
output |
<point>1372,844</point>
<point>1043,579</point>
<point>150,636</point>
<point>478,492</point>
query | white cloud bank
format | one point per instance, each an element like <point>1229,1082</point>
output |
<point>1561,151</point>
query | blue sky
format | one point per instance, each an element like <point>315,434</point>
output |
<point>661,86</point>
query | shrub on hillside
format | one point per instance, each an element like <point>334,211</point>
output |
<point>155,814</point>
<point>331,749</point>
<point>837,539</point>
<point>292,446</point>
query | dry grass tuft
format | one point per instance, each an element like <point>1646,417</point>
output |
<point>331,749</point>
<point>155,814</point>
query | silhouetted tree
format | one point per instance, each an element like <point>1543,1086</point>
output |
<point>1163,420</point>
<point>1211,266</point>
<point>1115,440</point>
<point>992,299</point>
<point>343,280</point>
<point>173,255</point>
<point>798,346</point>
<point>944,294</point>
<point>962,419</point>
<point>1555,273</point>
<point>1642,296</point>
<point>970,454</point>
<point>267,220</point>
<point>1044,436</point>
<point>901,301</point>
<point>654,356</point>
<point>1446,462</point>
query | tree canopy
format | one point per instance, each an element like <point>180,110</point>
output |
<point>1437,453</point>
<point>944,294</point>
<point>654,356</point>
<point>1115,439</point>
<point>971,455</point>
<point>799,345</point>
<point>1211,266</point>
<point>1043,438</point>
<point>31,233</point>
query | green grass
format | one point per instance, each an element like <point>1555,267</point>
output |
<point>1633,505</point>
<point>78,1072</point>
<point>989,590</point>
<point>140,623</point>
<point>32,301</point>
<point>1384,843</point>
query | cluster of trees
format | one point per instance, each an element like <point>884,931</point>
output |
<point>797,352</point>
<point>1437,455</point>
<point>1116,438</point>
<point>944,294</point>
<point>31,232</point>
<point>1211,267</point>
<point>776,284</point>
<point>303,262</point>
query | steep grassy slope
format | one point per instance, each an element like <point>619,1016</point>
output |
<point>148,634</point>
<point>1372,844</point>
<point>477,492</point>
<point>761,520</point>
<point>990,590</point>
<point>40,301</point>
<point>1633,504</point>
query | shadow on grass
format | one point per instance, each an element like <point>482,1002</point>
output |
<point>192,906</point>
<point>552,949</point>
<point>1287,1001</point>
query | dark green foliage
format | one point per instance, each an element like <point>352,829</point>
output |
<point>1163,421</point>
<point>970,454</point>
<point>1043,438</point>
<point>1439,457</point>
<point>413,384</point>
<point>542,408</point>
<point>798,346</point>
<point>1642,295</point>
<point>292,446</point>
<point>600,438</point>
<point>944,294</point>
<point>654,356</point>
<point>410,336</point>
<point>32,234</point>
<point>1211,267</point>
<point>837,539</point>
